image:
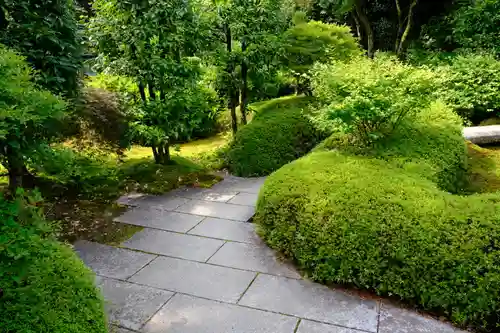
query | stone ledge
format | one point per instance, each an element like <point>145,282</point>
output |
<point>483,134</point>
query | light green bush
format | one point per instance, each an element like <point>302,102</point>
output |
<point>278,134</point>
<point>46,288</point>
<point>472,86</point>
<point>371,98</point>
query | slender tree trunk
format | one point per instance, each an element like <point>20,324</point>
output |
<point>19,176</point>
<point>358,25</point>
<point>155,154</point>
<point>142,91</point>
<point>166,154</point>
<point>365,23</point>
<point>233,91</point>
<point>400,25</point>
<point>151,89</point>
<point>244,88</point>
<point>409,25</point>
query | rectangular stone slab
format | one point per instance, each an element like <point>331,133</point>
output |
<point>186,314</point>
<point>393,319</point>
<point>130,305</point>
<point>110,261</point>
<point>160,219</point>
<point>226,229</point>
<point>246,199</point>
<point>257,258</point>
<point>198,279</point>
<point>313,301</point>
<point>307,326</point>
<point>217,209</point>
<point>173,244</point>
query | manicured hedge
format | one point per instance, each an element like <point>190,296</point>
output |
<point>383,218</point>
<point>278,134</point>
<point>46,288</point>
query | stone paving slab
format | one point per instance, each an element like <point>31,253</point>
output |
<point>186,314</point>
<point>160,219</point>
<point>247,185</point>
<point>110,261</point>
<point>246,199</point>
<point>393,319</point>
<point>130,199</point>
<point>205,194</point>
<point>227,229</point>
<point>310,300</point>
<point>307,326</point>
<point>203,280</point>
<point>116,329</point>
<point>258,258</point>
<point>217,209</point>
<point>130,305</point>
<point>173,244</point>
<point>165,202</point>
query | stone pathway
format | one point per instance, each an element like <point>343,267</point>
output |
<point>198,267</point>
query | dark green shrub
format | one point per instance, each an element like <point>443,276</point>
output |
<point>46,288</point>
<point>278,134</point>
<point>361,221</point>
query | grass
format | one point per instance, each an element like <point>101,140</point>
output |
<point>484,168</point>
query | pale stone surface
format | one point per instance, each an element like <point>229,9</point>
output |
<point>203,280</point>
<point>258,258</point>
<point>160,219</point>
<point>226,229</point>
<point>483,134</point>
<point>205,194</point>
<point>393,319</point>
<point>173,244</point>
<point>217,209</point>
<point>246,199</point>
<point>130,305</point>
<point>186,314</point>
<point>313,301</point>
<point>110,261</point>
<point>165,202</point>
<point>307,326</point>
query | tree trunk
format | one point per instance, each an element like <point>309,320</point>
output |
<point>358,25</point>
<point>244,88</point>
<point>19,176</point>
<point>155,154</point>
<point>400,25</point>
<point>151,89</point>
<point>142,91</point>
<point>166,154</point>
<point>409,24</point>
<point>233,91</point>
<point>365,23</point>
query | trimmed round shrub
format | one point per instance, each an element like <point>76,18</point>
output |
<point>278,134</point>
<point>367,222</point>
<point>45,287</point>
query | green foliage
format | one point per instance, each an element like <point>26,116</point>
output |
<point>47,34</point>
<point>46,288</point>
<point>472,86</point>
<point>28,116</point>
<point>278,134</point>
<point>366,222</point>
<point>371,98</point>
<point>307,43</point>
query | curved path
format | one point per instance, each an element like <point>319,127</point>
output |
<point>198,267</point>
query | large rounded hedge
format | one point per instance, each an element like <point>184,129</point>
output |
<point>385,218</point>
<point>278,134</point>
<point>45,287</point>
<point>366,222</point>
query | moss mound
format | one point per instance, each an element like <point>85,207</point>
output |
<point>46,288</point>
<point>384,219</point>
<point>278,134</point>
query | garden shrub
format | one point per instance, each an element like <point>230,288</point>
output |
<point>278,134</point>
<point>367,222</point>
<point>371,98</point>
<point>46,288</point>
<point>472,85</point>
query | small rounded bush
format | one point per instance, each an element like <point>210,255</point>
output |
<point>367,222</point>
<point>278,134</point>
<point>46,288</point>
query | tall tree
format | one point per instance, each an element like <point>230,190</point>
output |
<point>156,43</point>
<point>47,34</point>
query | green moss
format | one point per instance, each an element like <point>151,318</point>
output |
<point>278,134</point>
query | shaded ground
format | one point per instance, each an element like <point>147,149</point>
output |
<point>484,168</point>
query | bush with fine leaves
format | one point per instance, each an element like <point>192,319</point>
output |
<point>46,288</point>
<point>278,134</point>
<point>371,98</point>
